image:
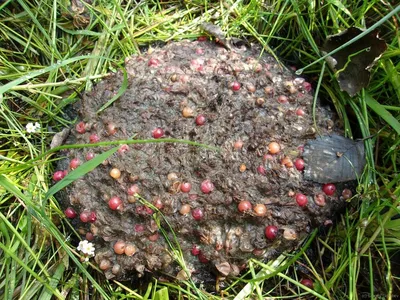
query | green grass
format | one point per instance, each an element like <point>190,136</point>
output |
<point>46,62</point>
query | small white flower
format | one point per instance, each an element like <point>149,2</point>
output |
<point>86,248</point>
<point>32,128</point>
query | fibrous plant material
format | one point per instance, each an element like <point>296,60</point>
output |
<point>249,199</point>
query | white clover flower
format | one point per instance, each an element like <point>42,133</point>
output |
<point>32,128</point>
<point>86,248</point>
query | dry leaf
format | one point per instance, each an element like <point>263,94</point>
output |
<point>353,63</point>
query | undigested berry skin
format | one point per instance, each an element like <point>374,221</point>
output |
<point>94,138</point>
<point>347,194</point>
<point>153,62</point>
<point>282,99</point>
<point>319,199</point>
<point>133,190</point>
<point>271,232</point>
<point>329,189</point>
<point>195,250</point>
<point>261,170</point>
<point>202,258</point>
<point>80,127</point>
<point>89,155</point>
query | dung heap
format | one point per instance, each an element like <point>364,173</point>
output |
<point>247,199</point>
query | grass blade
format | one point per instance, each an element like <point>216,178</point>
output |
<point>382,112</point>
<point>79,172</point>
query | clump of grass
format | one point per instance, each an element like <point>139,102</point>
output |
<point>52,51</point>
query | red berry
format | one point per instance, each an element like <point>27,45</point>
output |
<point>329,189</point>
<point>197,64</point>
<point>201,120</point>
<point>58,175</point>
<point>207,186</point>
<point>199,51</point>
<point>301,199</point>
<point>89,236</point>
<point>202,258</point>
<point>235,86</point>
<point>84,216</point>
<point>186,187</point>
<point>115,203</point>
<point>153,237</point>
<point>300,112</point>
<point>238,145</point>
<point>197,214</point>
<point>299,164</point>
<point>202,38</point>
<point>94,138</point>
<point>195,250</point>
<point>74,163</point>
<point>111,128</point>
<point>271,232</point>
<point>80,127</point>
<point>307,282</point>
<point>148,210</point>
<point>70,213</point>
<point>157,133</point>
<point>244,205</point>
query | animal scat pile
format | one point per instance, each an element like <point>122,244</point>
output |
<point>224,206</point>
